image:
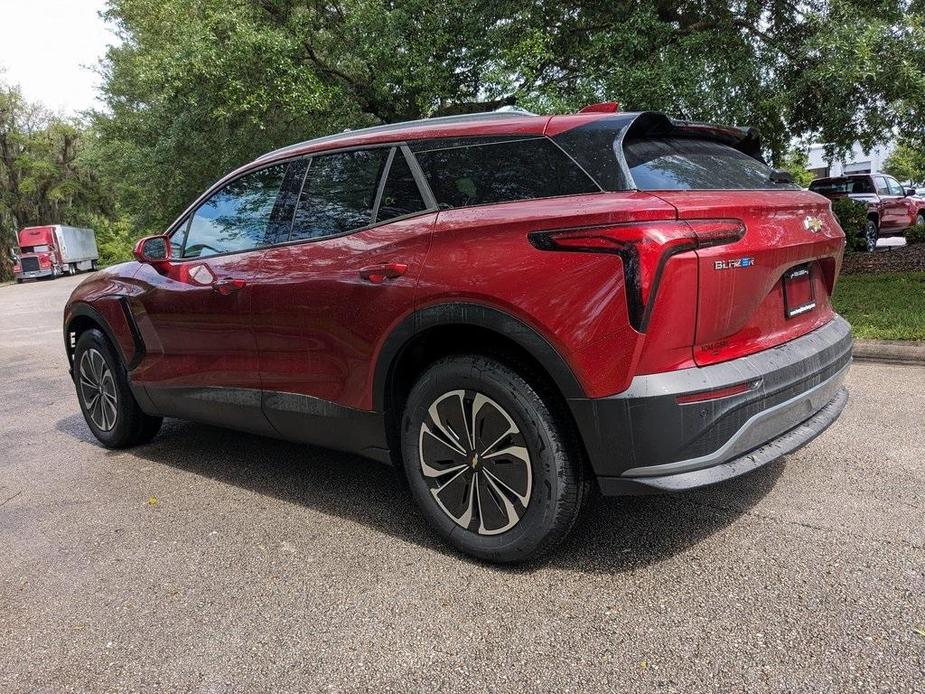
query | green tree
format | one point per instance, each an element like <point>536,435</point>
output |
<point>200,86</point>
<point>794,162</point>
<point>907,162</point>
<point>43,179</point>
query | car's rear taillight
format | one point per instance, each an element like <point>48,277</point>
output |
<point>644,247</point>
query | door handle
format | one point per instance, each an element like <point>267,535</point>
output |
<point>387,271</point>
<point>228,286</point>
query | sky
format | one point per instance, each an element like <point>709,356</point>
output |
<point>49,48</point>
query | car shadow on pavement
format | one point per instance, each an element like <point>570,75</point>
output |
<point>615,534</point>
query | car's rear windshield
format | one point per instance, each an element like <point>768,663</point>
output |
<point>845,186</point>
<point>676,163</point>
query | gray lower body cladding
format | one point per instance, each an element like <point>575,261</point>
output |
<point>644,440</point>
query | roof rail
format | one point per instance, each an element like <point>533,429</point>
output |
<point>396,127</point>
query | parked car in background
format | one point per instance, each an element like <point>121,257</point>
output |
<point>51,251</point>
<point>513,309</point>
<point>891,209</point>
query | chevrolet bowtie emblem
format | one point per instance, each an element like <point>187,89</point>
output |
<point>813,224</point>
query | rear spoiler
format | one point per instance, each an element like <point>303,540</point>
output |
<point>603,132</point>
<point>652,124</point>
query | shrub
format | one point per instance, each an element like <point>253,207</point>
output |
<point>916,234</point>
<point>852,216</point>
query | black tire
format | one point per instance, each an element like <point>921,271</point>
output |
<point>536,460</point>
<point>99,371</point>
<point>19,280</point>
<point>871,235</point>
<point>920,219</point>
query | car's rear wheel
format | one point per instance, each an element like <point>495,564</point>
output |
<point>106,400</point>
<point>871,235</point>
<point>491,461</point>
<point>920,219</point>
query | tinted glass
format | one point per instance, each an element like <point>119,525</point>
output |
<point>593,145</point>
<point>283,210</point>
<point>401,194</point>
<point>895,188</point>
<point>847,186</point>
<point>482,174</point>
<point>882,187</point>
<point>339,193</point>
<point>689,164</point>
<point>236,217</point>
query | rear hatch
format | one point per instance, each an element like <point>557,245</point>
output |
<point>773,284</point>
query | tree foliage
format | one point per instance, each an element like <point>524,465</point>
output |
<point>795,162</point>
<point>907,162</point>
<point>200,86</point>
<point>43,179</point>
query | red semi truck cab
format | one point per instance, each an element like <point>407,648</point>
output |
<point>50,251</point>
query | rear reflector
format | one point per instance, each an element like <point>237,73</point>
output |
<point>717,393</point>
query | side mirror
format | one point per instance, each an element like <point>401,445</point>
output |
<point>153,250</point>
<point>910,192</point>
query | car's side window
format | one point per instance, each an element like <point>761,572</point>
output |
<point>881,185</point>
<point>895,188</point>
<point>480,174</point>
<point>284,209</point>
<point>400,195</point>
<point>236,217</point>
<point>338,194</point>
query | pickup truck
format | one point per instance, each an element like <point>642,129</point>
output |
<point>891,209</point>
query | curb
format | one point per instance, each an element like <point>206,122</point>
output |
<point>890,351</point>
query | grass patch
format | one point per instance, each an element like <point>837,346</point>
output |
<point>886,306</point>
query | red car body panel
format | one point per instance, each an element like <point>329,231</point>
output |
<point>739,315</point>
<point>195,335</point>
<point>575,301</point>
<point>320,324</point>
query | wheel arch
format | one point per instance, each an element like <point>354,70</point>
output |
<point>83,317</point>
<point>437,331</point>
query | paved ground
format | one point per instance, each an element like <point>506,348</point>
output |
<point>216,561</point>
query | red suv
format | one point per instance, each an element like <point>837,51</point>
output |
<point>891,209</point>
<point>512,309</point>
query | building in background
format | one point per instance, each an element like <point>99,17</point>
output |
<point>857,161</point>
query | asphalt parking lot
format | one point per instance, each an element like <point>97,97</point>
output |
<point>215,561</point>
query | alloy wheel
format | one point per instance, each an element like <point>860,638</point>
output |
<point>871,236</point>
<point>98,390</point>
<point>475,462</point>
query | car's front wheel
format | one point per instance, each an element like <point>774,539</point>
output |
<point>491,460</point>
<point>106,400</point>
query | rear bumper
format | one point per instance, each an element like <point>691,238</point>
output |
<point>643,440</point>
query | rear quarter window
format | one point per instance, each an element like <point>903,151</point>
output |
<point>692,164</point>
<point>842,186</point>
<point>480,174</point>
